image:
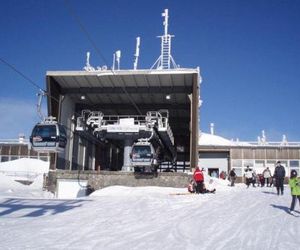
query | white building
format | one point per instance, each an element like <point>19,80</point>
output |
<point>219,154</point>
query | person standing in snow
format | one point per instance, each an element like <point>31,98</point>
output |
<point>249,176</point>
<point>279,175</point>
<point>232,177</point>
<point>294,184</point>
<point>199,179</point>
<point>254,178</point>
<point>267,175</point>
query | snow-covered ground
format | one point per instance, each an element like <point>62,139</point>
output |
<point>120,217</point>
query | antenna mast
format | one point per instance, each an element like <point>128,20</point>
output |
<point>137,53</point>
<point>165,60</point>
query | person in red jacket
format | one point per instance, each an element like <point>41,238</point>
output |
<point>199,179</point>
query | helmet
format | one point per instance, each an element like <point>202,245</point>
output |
<point>293,173</point>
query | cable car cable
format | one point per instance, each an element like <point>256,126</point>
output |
<point>83,29</point>
<point>27,78</point>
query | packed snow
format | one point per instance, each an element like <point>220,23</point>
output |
<point>121,217</point>
<point>24,168</point>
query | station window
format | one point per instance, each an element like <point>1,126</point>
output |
<point>284,163</point>
<point>4,158</point>
<point>14,157</point>
<point>271,164</point>
<point>238,172</point>
<point>248,163</point>
<point>294,164</point>
<point>237,165</point>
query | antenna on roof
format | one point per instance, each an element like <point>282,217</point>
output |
<point>284,140</point>
<point>165,60</point>
<point>137,53</point>
<point>88,66</point>
<point>212,128</point>
<point>116,59</point>
<point>263,139</point>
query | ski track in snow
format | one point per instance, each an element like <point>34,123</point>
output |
<point>236,218</point>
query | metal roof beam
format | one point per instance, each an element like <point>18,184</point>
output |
<point>128,106</point>
<point>131,90</point>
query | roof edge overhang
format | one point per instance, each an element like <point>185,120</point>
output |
<point>124,72</point>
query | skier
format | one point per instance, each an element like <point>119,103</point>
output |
<point>232,177</point>
<point>279,175</point>
<point>199,179</point>
<point>294,184</point>
<point>249,177</point>
<point>267,175</point>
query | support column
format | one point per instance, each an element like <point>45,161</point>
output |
<point>194,128</point>
<point>126,159</point>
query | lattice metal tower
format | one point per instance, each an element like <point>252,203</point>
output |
<point>165,60</point>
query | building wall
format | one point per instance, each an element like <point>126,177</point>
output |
<point>14,151</point>
<point>262,157</point>
<point>101,179</point>
<point>214,162</point>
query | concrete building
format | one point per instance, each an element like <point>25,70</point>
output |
<point>122,93</point>
<point>13,149</point>
<point>219,154</point>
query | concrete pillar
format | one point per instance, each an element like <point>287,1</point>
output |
<point>127,150</point>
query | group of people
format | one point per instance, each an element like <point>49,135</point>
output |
<point>266,178</point>
<point>278,178</point>
<point>197,185</point>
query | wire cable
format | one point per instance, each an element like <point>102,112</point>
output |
<point>36,86</point>
<point>84,30</point>
<point>27,78</point>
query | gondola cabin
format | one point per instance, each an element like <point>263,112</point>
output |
<point>48,136</point>
<point>143,158</point>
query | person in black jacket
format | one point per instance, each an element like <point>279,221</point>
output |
<point>232,177</point>
<point>279,175</point>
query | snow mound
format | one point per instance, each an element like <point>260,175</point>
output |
<point>24,169</point>
<point>136,191</point>
<point>7,182</point>
<point>25,165</point>
<point>210,183</point>
<point>10,187</point>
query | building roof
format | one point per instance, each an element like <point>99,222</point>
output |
<point>210,140</point>
<point>213,140</point>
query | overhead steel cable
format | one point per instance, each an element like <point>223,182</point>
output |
<point>30,81</point>
<point>83,29</point>
<point>27,78</point>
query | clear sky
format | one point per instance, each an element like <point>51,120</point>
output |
<point>248,53</point>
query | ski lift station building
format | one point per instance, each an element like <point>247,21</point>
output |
<point>120,94</point>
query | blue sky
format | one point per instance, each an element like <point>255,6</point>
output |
<point>248,53</point>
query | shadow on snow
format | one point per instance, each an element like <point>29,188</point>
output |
<point>284,208</point>
<point>268,192</point>
<point>37,207</point>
